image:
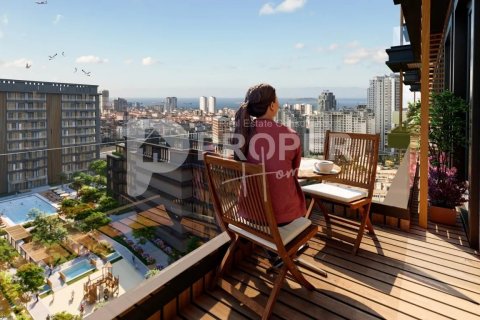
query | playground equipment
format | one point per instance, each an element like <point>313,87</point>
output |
<point>104,286</point>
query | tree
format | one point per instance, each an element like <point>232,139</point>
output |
<point>193,243</point>
<point>90,194</point>
<point>30,277</point>
<point>48,230</point>
<point>81,179</point>
<point>65,316</point>
<point>94,221</point>
<point>7,252</point>
<point>99,167</point>
<point>10,289</point>
<point>107,203</point>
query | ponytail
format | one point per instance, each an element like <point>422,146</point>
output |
<point>243,128</point>
<point>257,101</point>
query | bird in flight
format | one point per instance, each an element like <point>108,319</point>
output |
<point>52,57</point>
<point>27,65</point>
<point>86,73</point>
<point>41,2</point>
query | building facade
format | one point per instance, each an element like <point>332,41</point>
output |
<point>104,101</point>
<point>212,105</point>
<point>383,97</point>
<point>360,120</point>
<point>221,129</point>
<point>170,104</point>
<point>327,101</point>
<point>120,105</point>
<point>203,103</point>
<point>46,130</point>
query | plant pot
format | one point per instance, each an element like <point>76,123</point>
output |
<point>443,215</point>
<point>398,140</point>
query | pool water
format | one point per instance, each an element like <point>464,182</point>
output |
<point>113,256</point>
<point>77,270</point>
<point>17,209</point>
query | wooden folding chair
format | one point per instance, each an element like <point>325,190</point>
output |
<point>243,209</point>
<point>357,155</point>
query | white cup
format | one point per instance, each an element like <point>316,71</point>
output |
<point>324,165</point>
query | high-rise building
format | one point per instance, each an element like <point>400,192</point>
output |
<point>327,101</point>
<point>203,104</point>
<point>170,104</point>
<point>212,104</point>
<point>104,101</point>
<point>220,128</point>
<point>46,130</point>
<point>383,98</point>
<point>120,105</point>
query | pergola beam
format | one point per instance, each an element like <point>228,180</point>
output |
<point>424,113</point>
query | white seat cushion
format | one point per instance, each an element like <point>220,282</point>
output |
<point>335,192</point>
<point>287,233</point>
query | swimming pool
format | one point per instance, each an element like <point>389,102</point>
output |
<point>77,270</point>
<point>114,256</point>
<point>16,209</point>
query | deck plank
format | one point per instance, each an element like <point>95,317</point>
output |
<point>420,274</point>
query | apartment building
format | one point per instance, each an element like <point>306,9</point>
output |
<point>360,120</point>
<point>383,98</point>
<point>327,101</point>
<point>46,129</point>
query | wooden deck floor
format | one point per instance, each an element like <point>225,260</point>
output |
<point>421,274</point>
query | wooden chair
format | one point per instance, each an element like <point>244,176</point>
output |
<point>243,209</point>
<point>357,155</point>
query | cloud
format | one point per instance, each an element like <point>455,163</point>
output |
<point>57,19</point>
<point>299,45</point>
<point>128,61</point>
<point>286,6</point>
<point>19,63</point>
<point>353,44</point>
<point>91,59</point>
<point>148,61</point>
<point>333,47</point>
<point>364,54</point>
<point>4,20</point>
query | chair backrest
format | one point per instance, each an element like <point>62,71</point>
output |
<point>356,154</point>
<point>240,196</point>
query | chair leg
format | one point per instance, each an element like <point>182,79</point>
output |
<point>369,223</point>
<point>310,208</point>
<point>226,261</point>
<point>297,274</point>
<point>274,294</point>
<point>364,218</point>
<point>324,210</point>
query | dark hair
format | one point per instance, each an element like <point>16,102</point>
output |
<point>257,101</point>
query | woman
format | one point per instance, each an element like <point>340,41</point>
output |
<point>276,146</point>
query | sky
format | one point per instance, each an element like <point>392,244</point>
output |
<point>189,48</point>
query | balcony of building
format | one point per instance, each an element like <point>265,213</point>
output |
<point>424,273</point>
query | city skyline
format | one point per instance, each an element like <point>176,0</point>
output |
<point>146,48</point>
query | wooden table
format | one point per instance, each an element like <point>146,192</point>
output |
<point>306,170</point>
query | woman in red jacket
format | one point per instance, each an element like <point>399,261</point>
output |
<point>276,146</point>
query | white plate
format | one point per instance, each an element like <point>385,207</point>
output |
<point>333,171</point>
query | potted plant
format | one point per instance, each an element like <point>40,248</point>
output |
<point>445,191</point>
<point>446,135</point>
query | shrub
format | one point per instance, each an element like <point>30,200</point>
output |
<point>445,189</point>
